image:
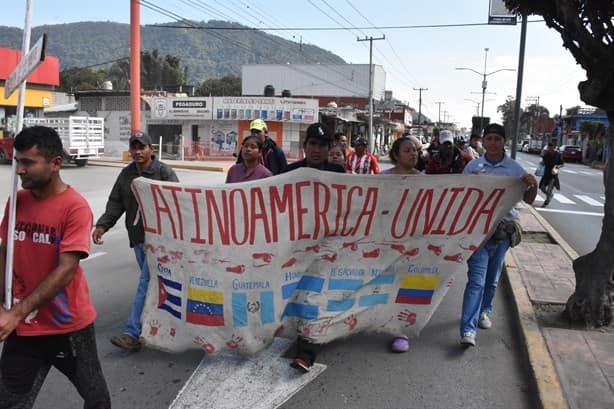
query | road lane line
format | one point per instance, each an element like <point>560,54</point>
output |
<point>231,381</point>
<point>590,201</point>
<point>542,209</point>
<point>562,199</point>
<point>94,255</point>
<point>570,171</point>
<point>602,197</point>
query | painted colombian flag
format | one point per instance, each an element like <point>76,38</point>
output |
<point>205,307</point>
<point>417,289</point>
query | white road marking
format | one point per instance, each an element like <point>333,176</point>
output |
<point>231,381</point>
<point>590,201</point>
<point>562,199</point>
<point>602,197</point>
<point>569,171</point>
<point>542,209</point>
<point>94,255</point>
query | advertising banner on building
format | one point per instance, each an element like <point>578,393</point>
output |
<point>266,108</point>
<point>223,138</point>
<point>310,253</point>
<point>181,108</point>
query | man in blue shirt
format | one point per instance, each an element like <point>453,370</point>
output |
<point>486,263</point>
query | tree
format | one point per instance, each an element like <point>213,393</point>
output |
<point>508,110</point>
<point>80,79</point>
<point>587,30</point>
<point>230,85</point>
<point>531,115</point>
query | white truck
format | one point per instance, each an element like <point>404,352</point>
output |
<point>82,136</point>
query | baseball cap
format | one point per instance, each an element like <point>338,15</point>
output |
<point>140,137</point>
<point>361,140</point>
<point>258,124</point>
<point>446,136</point>
<point>317,131</point>
<point>496,129</point>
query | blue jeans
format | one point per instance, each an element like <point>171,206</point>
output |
<point>484,270</point>
<point>133,326</point>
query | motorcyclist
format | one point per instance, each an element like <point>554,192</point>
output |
<point>551,159</point>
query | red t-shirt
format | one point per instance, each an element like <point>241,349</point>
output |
<point>43,230</point>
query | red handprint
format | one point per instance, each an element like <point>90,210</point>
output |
<point>172,332</point>
<point>266,257</point>
<point>457,258</point>
<point>315,249</point>
<point>330,257</point>
<point>209,348</point>
<point>238,269</point>
<point>289,263</point>
<point>154,326</point>
<point>150,248</point>
<point>234,341</point>
<point>435,249</point>
<point>162,248</point>
<point>164,259</point>
<point>176,255</point>
<point>371,254</point>
<point>471,247</point>
<point>351,322</point>
<point>408,317</point>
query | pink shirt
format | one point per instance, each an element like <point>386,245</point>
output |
<point>238,173</point>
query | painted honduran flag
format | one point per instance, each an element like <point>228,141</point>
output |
<point>205,307</point>
<point>169,296</point>
<point>417,289</point>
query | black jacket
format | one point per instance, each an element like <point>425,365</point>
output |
<point>122,199</point>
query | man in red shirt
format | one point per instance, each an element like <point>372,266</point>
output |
<point>51,321</point>
<point>361,161</point>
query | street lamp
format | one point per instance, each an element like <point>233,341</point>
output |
<point>478,103</point>
<point>484,82</point>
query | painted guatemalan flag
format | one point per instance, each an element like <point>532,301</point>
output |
<point>169,296</point>
<point>417,289</point>
<point>205,307</point>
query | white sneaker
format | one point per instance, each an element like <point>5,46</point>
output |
<point>484,322</point>
<point>468,339</point>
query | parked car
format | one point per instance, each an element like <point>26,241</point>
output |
<point>571,153</point>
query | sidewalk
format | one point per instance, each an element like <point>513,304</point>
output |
<point>221,165</point>
<point>573,367</point>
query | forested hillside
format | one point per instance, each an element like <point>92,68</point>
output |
<point>206,53</point>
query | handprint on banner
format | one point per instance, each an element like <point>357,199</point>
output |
<point>435,249</point>
<point>175,255</point>
<point>265,258</point>
<point>234,341</point>
<point>457,258</point>
<point>408,317</point>
<point>209,348</point>
<point>154,326</point>
<point>329,257</point>
<point>371,254</point>
<point>289,263</point>
<point>171,332</point>
<point>238,269</point>
<point>351,322</point>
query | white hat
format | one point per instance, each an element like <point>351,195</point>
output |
<point>446,136</point>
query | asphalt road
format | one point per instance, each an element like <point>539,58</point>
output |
<point>436,373</point>
<point>576,212</point>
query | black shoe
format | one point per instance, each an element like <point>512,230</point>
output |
<point>303,361</point>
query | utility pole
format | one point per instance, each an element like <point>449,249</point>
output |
<point>420,108</point>
<point>533,101</point>
<point>439,116</point>
<point>371,136</point>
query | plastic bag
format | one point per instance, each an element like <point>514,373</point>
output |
<point>540,169</point>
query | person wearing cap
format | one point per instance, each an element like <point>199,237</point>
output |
<point>448,158</point>
<point>122,200</point>
<point>475,147</point>
<point>273,157</point>
<point>361,161</point>
<point>485,264</point>
<point>315,147</point>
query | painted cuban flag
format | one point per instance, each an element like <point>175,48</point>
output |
<point>169,296</point>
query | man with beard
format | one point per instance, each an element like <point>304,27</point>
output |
<point>51,320</point>
<point>448,159</point>
<point>121,200</point>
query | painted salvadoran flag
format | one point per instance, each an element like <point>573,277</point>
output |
<point>205,307</point>
<point>417,289</point>
<point>169,296</point>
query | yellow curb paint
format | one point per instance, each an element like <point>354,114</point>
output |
<point>550,392</point>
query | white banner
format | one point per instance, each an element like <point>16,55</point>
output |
<point>317,254</point>
<point>267,108</point>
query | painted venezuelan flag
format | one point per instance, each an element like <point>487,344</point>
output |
<point>205,307</point>
<point>417,289</point>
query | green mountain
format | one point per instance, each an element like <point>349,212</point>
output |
<point>206,53</point>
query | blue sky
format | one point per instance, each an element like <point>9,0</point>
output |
<point>411,57</point>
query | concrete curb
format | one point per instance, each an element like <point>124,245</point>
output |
<point>554,234</point>
<point>195,166</point>
<point>549,390</point>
